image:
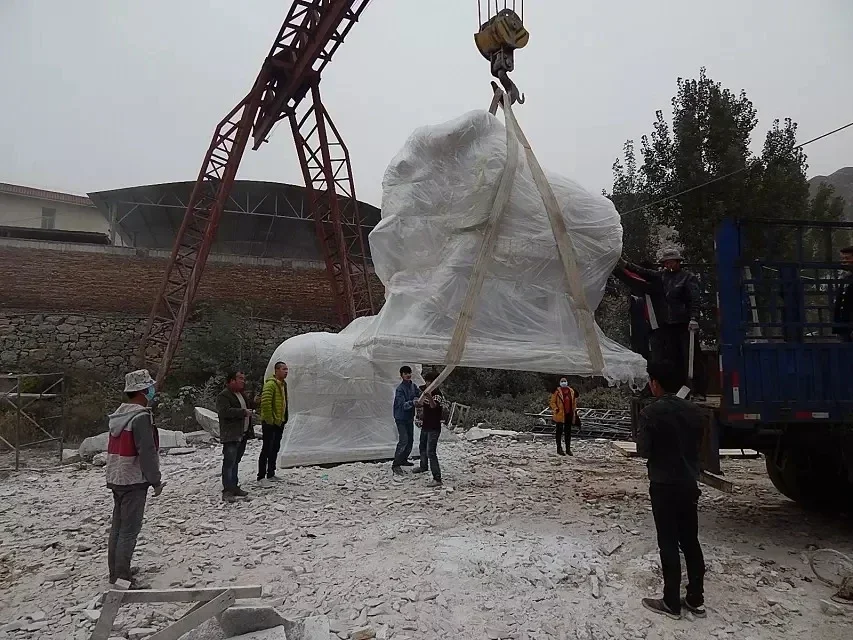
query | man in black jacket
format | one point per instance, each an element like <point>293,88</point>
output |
<point>235,425</point>
<point>842,313</point>
<point>674,296</point>
<point>670,436</point>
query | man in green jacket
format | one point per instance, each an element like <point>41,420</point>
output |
<point>273,419</point>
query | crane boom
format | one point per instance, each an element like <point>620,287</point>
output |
<point>311,33</point>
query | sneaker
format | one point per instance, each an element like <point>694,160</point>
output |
<point>657,605</point>
<point>569,452</point>
<point>275,478</point>
<point>265,483</point>
<point>238,492</point>
<point>434,483</point>
<point>560,452</point>
<point>138,585</point>
<point>397,471</point>
<point>420,470</point>
<point>699,611</point>
<point>407,464</point>
<point>228,497</point>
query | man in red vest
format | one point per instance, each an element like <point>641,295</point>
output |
<point>133,465</point>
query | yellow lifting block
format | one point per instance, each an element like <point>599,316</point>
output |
<point>505,29</point>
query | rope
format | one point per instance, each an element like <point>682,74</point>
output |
<point>515,137</point>
<point>840,556</point>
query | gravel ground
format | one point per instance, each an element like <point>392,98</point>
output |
<point>510,548</point>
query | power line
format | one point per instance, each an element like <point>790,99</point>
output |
<point>728,175</point>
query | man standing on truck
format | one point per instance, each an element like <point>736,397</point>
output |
<point>674,295</point>
<point>669,436</point>
<point>842,313</point>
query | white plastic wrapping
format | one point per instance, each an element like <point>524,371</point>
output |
<point>437,195</point>
<point>339,403</point>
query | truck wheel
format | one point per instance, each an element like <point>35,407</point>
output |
<point>808,480</point>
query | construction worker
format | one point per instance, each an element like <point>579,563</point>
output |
<point>564,412</point>
<point>674,313</point>
<point>273,419</point>
<point>235,428</point>
<point>842,313</point>
<point>669,436</point>
<point>133,465</point>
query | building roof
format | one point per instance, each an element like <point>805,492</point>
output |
<point>261,219</point>
<point>44,194</point>
<point>54,235</point>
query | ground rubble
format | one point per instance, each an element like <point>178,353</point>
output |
<point>519,544</point>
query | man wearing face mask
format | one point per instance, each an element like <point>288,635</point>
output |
<point>564,411</point>
<point>133,465</point>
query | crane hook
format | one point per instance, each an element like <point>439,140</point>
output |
<point>510,87</point>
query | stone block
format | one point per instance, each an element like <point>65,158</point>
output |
<point>313,628</point>
<point>70,456</point>
<point>171,439</point>
<point>199,437</point>
<point>242,619</point>
<point>96,444</point>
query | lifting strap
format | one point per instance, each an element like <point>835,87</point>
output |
<point>514,138</point>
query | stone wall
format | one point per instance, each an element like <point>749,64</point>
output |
<point>104,342</point>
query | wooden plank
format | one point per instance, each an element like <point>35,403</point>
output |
<point>194,618</point>
<point>717,483</point>
<point>189,595</point>
<point>629,449</point>
<point>112,601</point>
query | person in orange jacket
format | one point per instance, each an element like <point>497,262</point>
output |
<point>564,410</point>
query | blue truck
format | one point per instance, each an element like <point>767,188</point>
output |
<point>785,383</point>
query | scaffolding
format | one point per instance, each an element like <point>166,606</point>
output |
<point>21,392</point>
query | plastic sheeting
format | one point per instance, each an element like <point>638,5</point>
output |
<point>340,403</point>
<point>437,195</point>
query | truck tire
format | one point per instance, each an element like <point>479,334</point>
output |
<point>808,480</point>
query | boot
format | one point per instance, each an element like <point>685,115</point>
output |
<point>560,451</point>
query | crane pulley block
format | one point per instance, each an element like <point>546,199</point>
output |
<point>497,40</point>
<point>503,30</point>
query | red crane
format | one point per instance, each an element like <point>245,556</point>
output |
<point>288,86</point>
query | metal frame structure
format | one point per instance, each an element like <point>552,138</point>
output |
<point>312,32</point>
<point>21,400</point>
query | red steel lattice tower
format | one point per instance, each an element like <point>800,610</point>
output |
<point>288,86</point>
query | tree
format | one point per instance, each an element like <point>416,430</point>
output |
<point>704,158</point>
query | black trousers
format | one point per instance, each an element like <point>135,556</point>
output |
<point>675,509</point>
<point>128,509</point>
<point>428,448</point>
<point>671,343</point>
<point>564,429</point>
<point>269,450</point>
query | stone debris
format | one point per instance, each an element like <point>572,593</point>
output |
<point>363,633</point>
<point>475,433</point>
<point>831,609</point>
<point>529,546</point>
<point>71,456</point>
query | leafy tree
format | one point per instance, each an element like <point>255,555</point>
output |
<point>708,142</point>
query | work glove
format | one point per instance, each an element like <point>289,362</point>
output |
<point>158,489</point>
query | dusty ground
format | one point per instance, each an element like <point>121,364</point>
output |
<point>504,551</point>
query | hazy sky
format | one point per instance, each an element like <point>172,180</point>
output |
<point>101,94</point>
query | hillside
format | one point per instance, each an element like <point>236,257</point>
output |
<point>842,181</point>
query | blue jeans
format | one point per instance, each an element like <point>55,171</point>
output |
<point>232,453</point>
<point>405,441</point>
<point>429,452</point>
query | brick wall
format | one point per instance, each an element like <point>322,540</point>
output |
<point>85,306</point>
<point>53,280</point>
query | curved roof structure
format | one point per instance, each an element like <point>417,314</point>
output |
<point>261,219</point>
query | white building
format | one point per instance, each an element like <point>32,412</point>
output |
<point>34,213</point>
